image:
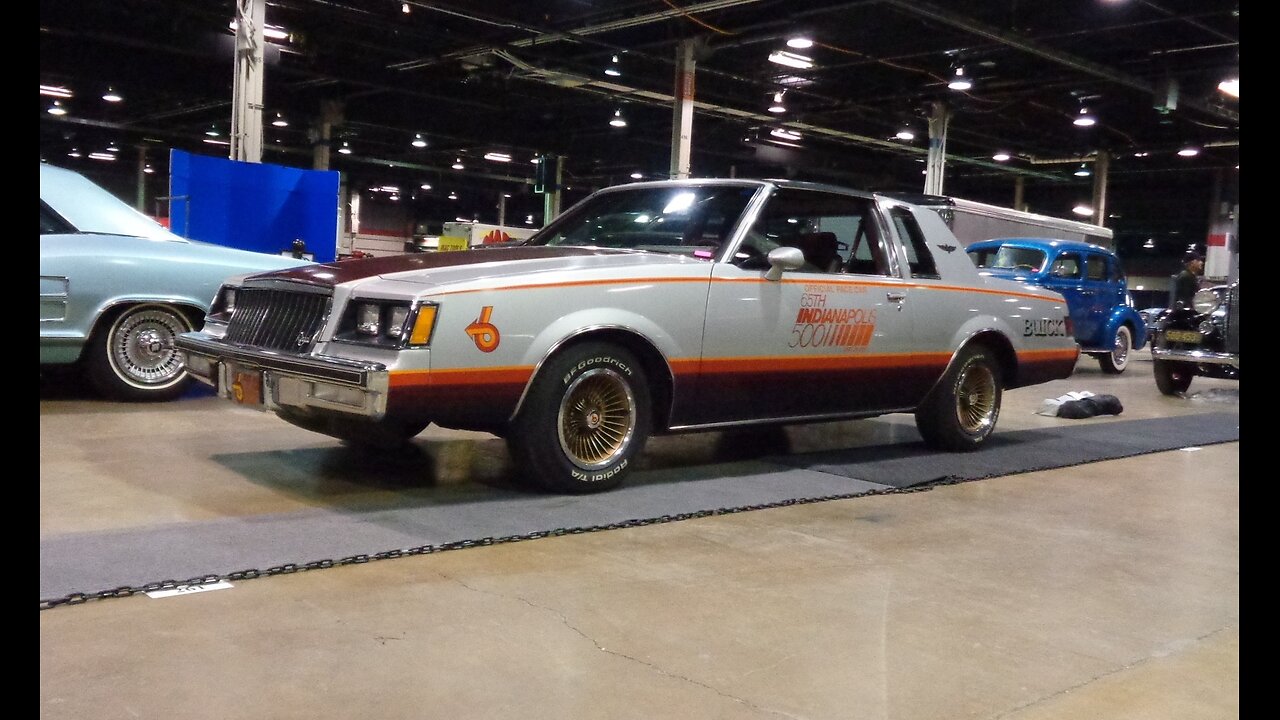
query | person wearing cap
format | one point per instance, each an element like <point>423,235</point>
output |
<point>1187,282</point>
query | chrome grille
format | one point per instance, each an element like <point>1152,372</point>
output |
<point>275,319</point>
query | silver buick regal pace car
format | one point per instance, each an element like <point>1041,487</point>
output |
<point>649,308</point>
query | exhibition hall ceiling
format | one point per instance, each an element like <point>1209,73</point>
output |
<point>522,79</point>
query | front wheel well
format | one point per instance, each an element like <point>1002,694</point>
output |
<point>652,362</point>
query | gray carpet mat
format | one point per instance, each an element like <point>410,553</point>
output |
<point>92,563</point>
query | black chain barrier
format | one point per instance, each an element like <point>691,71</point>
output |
<point>288,568</point>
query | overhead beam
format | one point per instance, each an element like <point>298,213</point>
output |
<point>1034,47</point>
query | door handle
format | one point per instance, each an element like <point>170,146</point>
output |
<point>896,297</point>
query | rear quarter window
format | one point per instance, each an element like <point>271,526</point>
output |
<point>919,258</point>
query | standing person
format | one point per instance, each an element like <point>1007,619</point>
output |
<point>1187,282</point>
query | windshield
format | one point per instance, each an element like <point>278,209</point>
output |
<point>91,209</point>
<point>690,220</point>
<point>1007,257</point>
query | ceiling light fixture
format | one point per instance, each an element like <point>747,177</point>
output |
<point>905,134</point>
<point>497,157</point>
<point>790,59</point>
<point>1001,157</point>
<point>280,121</point>
<point>101,156</point>
<point>418,142</point>
<point>457,164</point>
<point>618,120</point>
<point>112,96</point>
<point>148,169</point>
<point>345,149</point>
<point>273,32</point>
<point>613,69</point>
<point>1141,154</point>
<point>1230,86</point>
<point>1084,119</point>
<point>55,91</point>
<point>785,134</point>
<point>57,109</point>
<point>112,148</point>
<point>404,8</point>
<point>425,186</point>
<point>212,141</point>
<point>960,81</point>
<point>636,176</point>
<point>1082,210</point>
<point>75,153</point>
<point>453,195</point>
<point>777,106</point>
<point>1082,171</point>
<point>800,42</point>
<point>1189,151</point>
<point>528,219</point>
<point>212,131</point>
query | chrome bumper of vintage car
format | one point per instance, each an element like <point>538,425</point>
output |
<point>269,380</point>
<point>1196,356</point>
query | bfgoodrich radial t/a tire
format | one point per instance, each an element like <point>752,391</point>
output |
<point>586,417</point>
<point>132,357</point>
<point>960,414</point>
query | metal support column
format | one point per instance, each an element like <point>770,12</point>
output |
<point>682,110</point>
<point>1019,192</point>
<point>322,133</point>
<point>551,198</point>
<point>1101,168</point>
<point>939,118</point>
<point>502,209</point>
<point>246,106</point>
<point>141,203</point>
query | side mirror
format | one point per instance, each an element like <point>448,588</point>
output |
<point>783,258</point>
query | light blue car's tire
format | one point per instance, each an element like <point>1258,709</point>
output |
<point>1117,360</point>
<point>131,356</point>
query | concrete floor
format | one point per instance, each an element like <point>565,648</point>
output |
<point>1109,590</point>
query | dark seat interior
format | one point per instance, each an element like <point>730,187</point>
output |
<point>820,250</point>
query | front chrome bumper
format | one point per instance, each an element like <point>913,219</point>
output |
<point>286,380</point>
<point>1196,356</point>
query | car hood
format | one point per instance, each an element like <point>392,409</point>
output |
<point>441,268</point>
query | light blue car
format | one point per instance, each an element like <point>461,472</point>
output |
<point>116,287</point>
<point>1089,276</point>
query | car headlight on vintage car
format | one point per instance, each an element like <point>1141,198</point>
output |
<point>1205,301</point>
<point>388,323</point>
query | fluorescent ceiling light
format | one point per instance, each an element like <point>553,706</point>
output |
<point>497,157</point>
<point>211,141</point>
<point>55,91</point>
<point>790,59</point>
<point>1141,154</point>
<point>905,134</point>
<point>425,186</point>
<point>799,43</point>
<point>275,32</point>
<point>1083,210</point>
<point>784,134</point>
<point>1189,152</point>
<point>636,176</point>
<point>102,156</point>
<point>1230,87</point>
<point>1001,157</point>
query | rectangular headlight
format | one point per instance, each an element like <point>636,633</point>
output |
<point>395,322</point>
<point>368,316</point>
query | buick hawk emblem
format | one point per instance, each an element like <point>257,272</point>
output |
<point>947,248</point>
<point>302,340</point>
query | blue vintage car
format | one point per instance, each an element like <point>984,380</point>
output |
<point>1089,276</point>
<point>116,287</point>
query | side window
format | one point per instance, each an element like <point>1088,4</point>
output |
<point>1097,268</point>
<point>1067,266</point>
<point>836,233</point>
<point>51,223</point>
<point>919,259</point>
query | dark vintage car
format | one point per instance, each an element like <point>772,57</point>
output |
<point>1203,339</point>
<point>1089,276</point>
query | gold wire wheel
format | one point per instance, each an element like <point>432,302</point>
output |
<point>976,399</point>
<point>597,419</point>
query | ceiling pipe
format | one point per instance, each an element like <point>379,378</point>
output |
<point>616,90</point>
<point>1035,48</point>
